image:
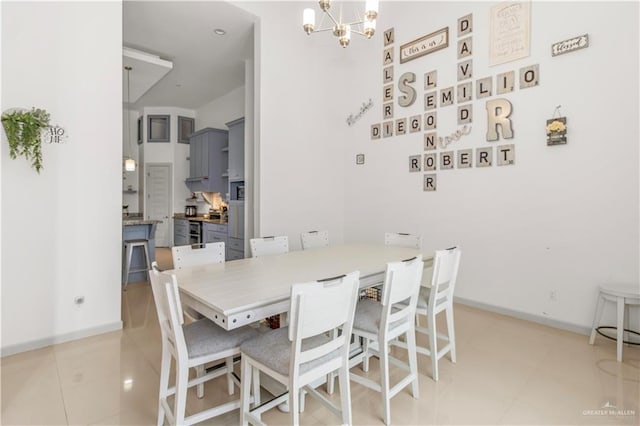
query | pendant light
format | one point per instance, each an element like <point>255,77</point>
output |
<point>129,163</point>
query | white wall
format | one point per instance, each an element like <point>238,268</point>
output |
<point>61,229</point>
<point>221,110</point>
<point>304,92</point>
<point>562,219</point>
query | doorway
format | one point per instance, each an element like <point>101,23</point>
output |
<point>159,177</point>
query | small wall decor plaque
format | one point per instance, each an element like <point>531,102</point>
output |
<point>359,159</point>
<point>570,45</point>
<point>424,45</point>
<point>557,129</point>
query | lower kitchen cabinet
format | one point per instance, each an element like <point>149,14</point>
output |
<point>235,248</point>
<point>180,232</point>
<point>214,233</point>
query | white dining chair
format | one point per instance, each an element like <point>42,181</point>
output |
<point>401,239</point>
<point>191,345</point>
<point>314,239</point>
<point>380,324</point>
<point>437,297</point>
<point>267,246</point>
<point>197,254</point>
<point>306,350</point>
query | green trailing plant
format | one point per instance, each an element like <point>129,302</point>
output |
<point>24,133</point>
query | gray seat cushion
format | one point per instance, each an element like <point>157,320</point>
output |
<point>368,315</point>
<point>423,298</point>
<point>273,349</point>
<point>204,337</point>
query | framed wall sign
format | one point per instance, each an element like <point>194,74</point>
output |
<point>186,127</point>
<point>509,32</point>
<point>424,45</point>
<point>158,127</point>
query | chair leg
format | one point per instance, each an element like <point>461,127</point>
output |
<point>596,318</point>
<point>127,265</point>
<point>230,384</point>
<point>165,367</point>
<point>345,394</point>
<point>145,247</point>
<point>413,362</point>
<point>331,376</point>
<point>256,387</point>
<point>620,330</point>
<point>294,404</point>
<point>384,383</point>
<point>365,350</point>
<point>200,388</point>
<point>451,332</point>
<point>245,387</point>
<point>433,347</point>
<point>180,404</point>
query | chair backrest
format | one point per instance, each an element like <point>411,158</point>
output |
<point>401,284</point>
<point>313,239</point>
<point>267,246</point>
<point>169,309</point>
<point>443,280</point>
<point>197,255</point>
<point>316,309</point>
<point>403,240</point>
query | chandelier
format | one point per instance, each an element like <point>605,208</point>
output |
<point>341,29</point>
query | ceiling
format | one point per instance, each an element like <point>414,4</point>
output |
<point>205,66</point>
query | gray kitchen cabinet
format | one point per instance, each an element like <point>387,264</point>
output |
<point>235,242</point>
<point>214,233</point>
<point>236,149</point>
<point>207,162</point>
<point>180,232</point>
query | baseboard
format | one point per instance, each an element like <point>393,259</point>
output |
<point>525,316</point>
<point>61,338</point>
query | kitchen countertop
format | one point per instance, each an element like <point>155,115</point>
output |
<point>137,220</point>
<point>200,218</point>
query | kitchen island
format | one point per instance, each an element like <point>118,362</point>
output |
<point>136,228</point>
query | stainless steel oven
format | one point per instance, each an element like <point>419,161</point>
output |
<point>195,232</point>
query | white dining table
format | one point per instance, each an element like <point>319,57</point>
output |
<point>240,292</point>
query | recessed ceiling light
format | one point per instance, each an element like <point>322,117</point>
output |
<point>219,31</point>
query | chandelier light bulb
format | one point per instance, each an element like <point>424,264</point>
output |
<point>369,28</point>
<point>324,5</point>
<point>308,20</point>
<point>346,37</point>
<point>371,10</point>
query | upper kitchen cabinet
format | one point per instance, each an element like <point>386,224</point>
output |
<point>236,149</point>
<point>207,162</point>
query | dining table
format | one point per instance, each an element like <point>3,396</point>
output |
<point>244,291</point>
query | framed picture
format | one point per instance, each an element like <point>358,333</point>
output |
<point>186,126</point>
<point>158,127</point>
<point>139,130</point>
<point>430,43</point>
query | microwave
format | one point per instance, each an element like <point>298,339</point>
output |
<point>240,192</point>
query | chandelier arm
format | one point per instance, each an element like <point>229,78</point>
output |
<point>355,23</point>
<point>358,32</point>
<point>323,29</point>
<point>332,18</point>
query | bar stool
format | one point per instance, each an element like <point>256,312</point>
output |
<point>623,296</point>
<point>129,247</point>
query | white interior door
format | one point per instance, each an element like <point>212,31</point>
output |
<point>159,200</point>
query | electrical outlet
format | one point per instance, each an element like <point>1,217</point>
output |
<point>79,300</point>
<point>553,296</point>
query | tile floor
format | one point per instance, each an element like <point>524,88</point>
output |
<point>508,371</point>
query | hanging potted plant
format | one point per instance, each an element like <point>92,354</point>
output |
<point>24,132</point>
